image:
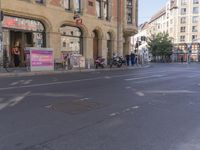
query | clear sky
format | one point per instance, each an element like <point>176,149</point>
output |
<point>148,8</point>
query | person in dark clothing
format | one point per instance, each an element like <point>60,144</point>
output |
<point>182,59</point>
<point>127,59</point>
<point>16,56</point>
<point>132,58</point>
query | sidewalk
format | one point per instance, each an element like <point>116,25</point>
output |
<point>20,72</point>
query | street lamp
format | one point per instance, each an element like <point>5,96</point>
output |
<point>188,52</point>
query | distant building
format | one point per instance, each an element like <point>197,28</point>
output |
<point>139,42</point>
<point>88,27</point>
<point>180,19</point>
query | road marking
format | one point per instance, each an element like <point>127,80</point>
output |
<point>114,114</point>
<point>126,110</point>
<point>83,99</point>
<point>54,95</point>
<point>107,77</point>
<point>72,81</point>
<point>153,76</point>
<point>48,106</point>
<point>14,101</point>
<point>171,92</point>
<point>52,83</point>
<point>135,107</point>
<point>27,82</point>
<point>139,93</point>
<point>14,83</point>
<point>17,99</point>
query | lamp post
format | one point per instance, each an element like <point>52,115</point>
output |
<point>188,53</point>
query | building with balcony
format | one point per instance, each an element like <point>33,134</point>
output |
<point>180,19</point>
<point>90,28</point>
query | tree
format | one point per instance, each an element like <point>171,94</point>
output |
<point>160,45</point>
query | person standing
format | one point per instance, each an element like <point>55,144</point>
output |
<point>181,59</point>
<point>127,59</point>
<point>136,60</point>
<point>16,55</point>
<point>132,58</point>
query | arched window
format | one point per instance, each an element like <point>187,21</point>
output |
<point>71,39</point>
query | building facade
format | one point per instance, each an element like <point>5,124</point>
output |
<point>139,43</point>
<point>180,19</point>
<point>90,28</point>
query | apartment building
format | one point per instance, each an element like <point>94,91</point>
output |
<point>139,42</point>
<point>180,19</point>
<point>90,28</point>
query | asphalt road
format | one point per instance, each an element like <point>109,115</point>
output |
<point>155,108</point>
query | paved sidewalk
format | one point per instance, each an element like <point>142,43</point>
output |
<point>22,71</point>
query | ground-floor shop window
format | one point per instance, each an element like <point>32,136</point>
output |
<point>71,39</point>
<point>19,33</point>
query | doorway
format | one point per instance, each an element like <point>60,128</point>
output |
<point>21,40</point>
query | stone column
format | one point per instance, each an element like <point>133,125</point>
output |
<point>127,45</point>
<point>104,49</point>
<point>54,41</point>
<point>88,51</point>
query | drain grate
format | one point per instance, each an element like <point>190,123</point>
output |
<point>76,107</point>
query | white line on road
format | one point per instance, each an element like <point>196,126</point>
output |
<point>138,78</point>
<point>17,99</point>
<point>75,81</point>
<point>107,77</point>
<point>114,114</point>
<point>135,107</point>
<point>14,101</point>
<point>52,83</point>
<point>14,83</point>
<point>140,94</point>
<point>171,92</point>
<point>27,82</point>
<point>84,99</point>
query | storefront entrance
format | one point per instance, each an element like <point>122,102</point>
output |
<point>21,40</point>
<point>19,33</point>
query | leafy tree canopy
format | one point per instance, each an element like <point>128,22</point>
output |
<point>160,45</point>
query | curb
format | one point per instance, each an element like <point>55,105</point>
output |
<point>26,74</point>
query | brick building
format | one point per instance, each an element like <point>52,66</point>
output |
<point>89,27</point>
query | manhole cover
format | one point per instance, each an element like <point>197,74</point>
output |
<point>76,107</point>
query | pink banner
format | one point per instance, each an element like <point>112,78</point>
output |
<point>42,58</point>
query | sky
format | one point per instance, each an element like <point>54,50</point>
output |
<point>147,8</point>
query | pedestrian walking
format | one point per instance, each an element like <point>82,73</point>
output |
<point>127,59</point>
<point>136,60</point>
<point>132,58</point>
<point>181,59</point>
